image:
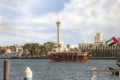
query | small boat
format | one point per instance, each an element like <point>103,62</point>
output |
<point>118,60</point>
<point>118,64</point>
<point>68,56</point>
<point>114,73</point>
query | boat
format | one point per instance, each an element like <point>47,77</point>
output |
<point>68,56</point>
<point>61,54</point>
<point>118,60</point>
<point>115,72</point>
<point>118,64</point>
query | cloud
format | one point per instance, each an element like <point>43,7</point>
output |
<point>80,20</point>
<point>91,16</point>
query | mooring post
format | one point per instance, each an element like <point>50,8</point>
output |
<point>94,73</point>
<point>119,73</point>
<point>27,74</point>
<point>6,70</point>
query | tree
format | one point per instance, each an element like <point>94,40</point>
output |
<point>118,44</point>
<point>101,45</point>
<point>91,45</point>
<point>0,48</point>
<point>48,46</point>
<point>68,46</point>
<point>76,49</point>
<point>27,46</point>
<point>12,47</point>
<point>33,48</point>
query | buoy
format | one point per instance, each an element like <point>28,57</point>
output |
<point>27,74</point>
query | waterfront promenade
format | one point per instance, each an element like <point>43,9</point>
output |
<point>16,56</point>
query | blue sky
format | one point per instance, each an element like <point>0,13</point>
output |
<point>23,21</point>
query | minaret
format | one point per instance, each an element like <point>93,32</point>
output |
<point>58,34</point>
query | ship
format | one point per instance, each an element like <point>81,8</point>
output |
<point>68,56</point>
<point>62,55</point>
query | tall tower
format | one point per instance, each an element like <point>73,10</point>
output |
<point>58,34</point>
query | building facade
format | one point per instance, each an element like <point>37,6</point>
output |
<point>98,38</point>
<point>99,48</point>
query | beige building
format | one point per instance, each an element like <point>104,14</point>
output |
<point>18,48</point>
<point>98,38</point>
<point>62,47</point>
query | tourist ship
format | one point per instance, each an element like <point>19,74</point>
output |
<point>58,55</point>
<point>68,56</point>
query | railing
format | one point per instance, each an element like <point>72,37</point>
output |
<point>94,71</point>
<point>10,55</point>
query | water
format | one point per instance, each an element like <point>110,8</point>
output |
<point>43,69</point>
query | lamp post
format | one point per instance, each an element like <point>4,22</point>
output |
<point>58,34</point>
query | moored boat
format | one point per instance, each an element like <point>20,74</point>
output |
<point>114,73</point>
<point>68,56</point>
<point>118,64</point>
<point>62,54</point>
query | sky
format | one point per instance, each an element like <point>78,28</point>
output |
<point>26,21</point>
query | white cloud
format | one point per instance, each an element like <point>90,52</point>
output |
<point>2,20</point>
<point>91,16</point>
<point>82,18</point>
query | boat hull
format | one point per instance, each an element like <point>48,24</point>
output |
<point>68,57</point>
<point>114,73</point>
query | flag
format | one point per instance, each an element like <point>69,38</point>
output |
<point>112,41</point>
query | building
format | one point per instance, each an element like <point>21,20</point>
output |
<point>62,47</point>
<point>99,48</point>
<point>98,38</point>
<point>18,48</point>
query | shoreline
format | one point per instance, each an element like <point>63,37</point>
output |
<point>107,58</point>
<point>104,58</point>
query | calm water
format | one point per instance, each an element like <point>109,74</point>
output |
<point>43,69</point>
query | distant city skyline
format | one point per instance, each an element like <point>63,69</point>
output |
<point>25,21</point>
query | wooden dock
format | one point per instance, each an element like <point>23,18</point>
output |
<point>94,72</point>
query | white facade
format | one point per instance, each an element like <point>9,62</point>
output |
<point>62,47</point>
<point>98,39</point>
<point>84,44</point>
<point>18,48</point>
<point>8,51</point>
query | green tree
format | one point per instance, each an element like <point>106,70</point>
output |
<point>91,45</point>
<point>48,46</point>
<point>12,47</point>
<point>68,46</point>
<point>0,48</point>
<point>27,46</point>
<point>35,48</point>
<point>118,44</point>
<point>101,45</point>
